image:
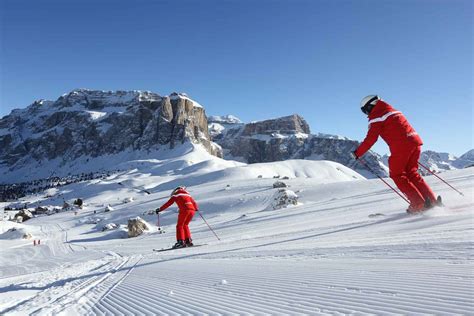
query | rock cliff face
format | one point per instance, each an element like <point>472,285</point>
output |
<point>286,138</point>
<point>95,123</point>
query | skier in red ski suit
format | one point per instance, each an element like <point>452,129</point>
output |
<point>405,148</point>
<point>187,207</point>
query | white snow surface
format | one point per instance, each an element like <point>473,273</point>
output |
<point>348,247</point>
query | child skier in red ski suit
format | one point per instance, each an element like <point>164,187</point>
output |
<point>187,207</point>
<point>405,148</point>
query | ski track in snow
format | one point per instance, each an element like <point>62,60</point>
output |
<point>325,256</point>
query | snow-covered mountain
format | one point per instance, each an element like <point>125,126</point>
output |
<point>286,138</point>
<point>466,160</point>
<point>86,124</point>
<point>346,246</point>
<point>84,130</point>
<point>439,162</point>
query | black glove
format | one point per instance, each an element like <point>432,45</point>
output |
<point>157,210</point>
<point>354,155</point>
<point>197,210</point>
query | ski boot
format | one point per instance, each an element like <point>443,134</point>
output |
<point>415,209</point>
<point>430,204</point>
<point>179,244</point>
<point>189,242</point>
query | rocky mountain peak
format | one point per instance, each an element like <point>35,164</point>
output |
<point>284,125</point>
<point>283,138</point>
<point>95,123</point>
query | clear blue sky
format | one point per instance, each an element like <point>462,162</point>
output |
<point>254,59</point>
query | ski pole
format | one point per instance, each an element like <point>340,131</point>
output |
<point>158,221</point>
<point>440,178</point>
<point>141,190</point>
<point>212,230</point>
<point>374,173</point>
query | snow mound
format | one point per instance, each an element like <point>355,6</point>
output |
<point>323,171</point>
<point>13,231</point>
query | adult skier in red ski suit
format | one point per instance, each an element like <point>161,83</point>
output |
<point>187,207</point>
<point>405,149</point>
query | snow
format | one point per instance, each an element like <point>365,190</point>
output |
<point>182,96</point>
<point>225,119</point>
<point>330,136</point>
<point>324,256</point>
<point>269,137</point>
<point>98,115</point>
<point>216,128</point>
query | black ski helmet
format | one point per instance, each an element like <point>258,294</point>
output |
<point>368,103</point>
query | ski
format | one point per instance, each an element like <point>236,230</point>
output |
<point>168,249</point>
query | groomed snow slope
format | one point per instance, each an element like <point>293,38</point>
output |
<point>324,256</point>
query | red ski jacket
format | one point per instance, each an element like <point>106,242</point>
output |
<point>392,126</point>
<point>183,199</point>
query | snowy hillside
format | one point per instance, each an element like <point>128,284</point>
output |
<point>347,247</point>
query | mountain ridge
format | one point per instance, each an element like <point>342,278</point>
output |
<point>84,125</point>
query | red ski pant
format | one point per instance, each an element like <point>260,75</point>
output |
<point>182,228</point>
<point>403,164</point>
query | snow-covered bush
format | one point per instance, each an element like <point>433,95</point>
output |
<point>279,184</point>
<point>23,215</point>
<point>282,199</point>
<point>40,210</point>
<point>108,208</point>
<point>110,226</point>
<point>79,202</point>
<point>91,220</point>
<point>128,200</point>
